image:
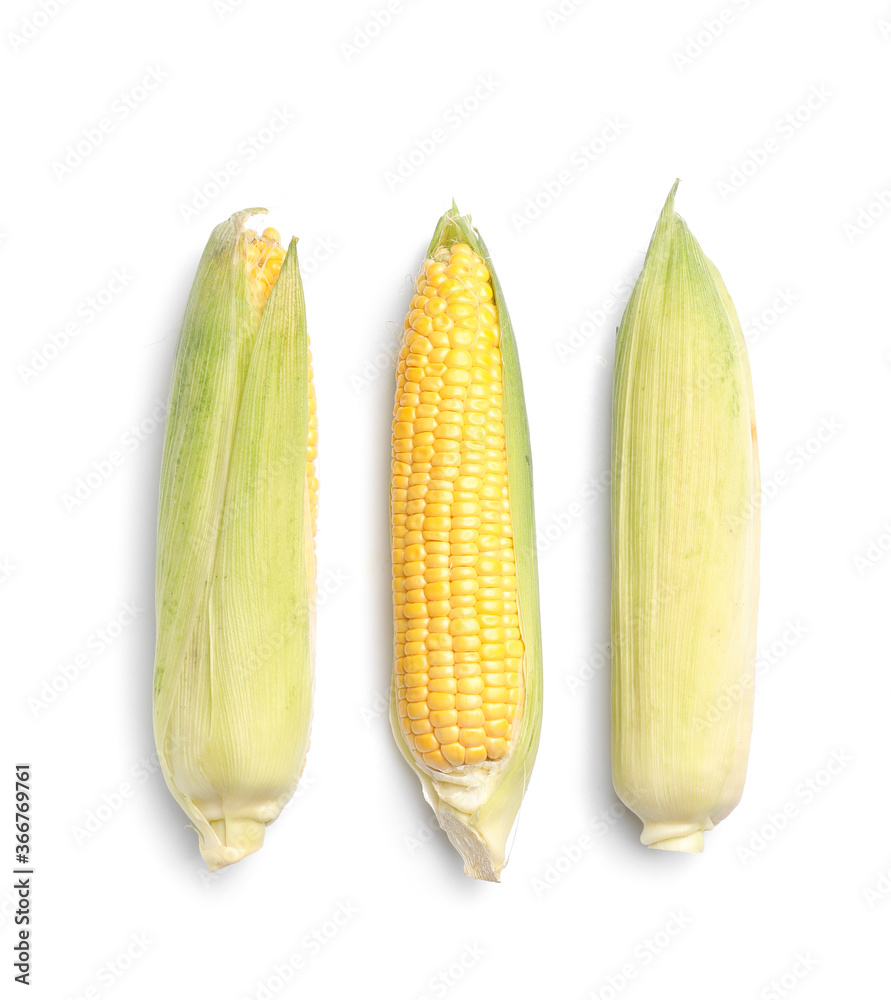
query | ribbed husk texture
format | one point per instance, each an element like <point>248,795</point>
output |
<point>235,585</point>
<point>685,504</point>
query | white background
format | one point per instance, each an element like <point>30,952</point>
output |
<point>115,862</point>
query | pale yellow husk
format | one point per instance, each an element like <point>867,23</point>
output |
<point>685,521</point>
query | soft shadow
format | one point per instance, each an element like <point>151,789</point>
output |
<point>599,579</point>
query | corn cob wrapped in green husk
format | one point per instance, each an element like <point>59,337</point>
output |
<point>235,589</point>
<point>685,542</point>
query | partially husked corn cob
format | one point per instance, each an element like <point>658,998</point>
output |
<point>685,546</point>
<point>466,702</point>
<point>456,577</point>
<point>235,590</point>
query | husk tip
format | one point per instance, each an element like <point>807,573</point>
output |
<point>668,208</point>
<point>239,218</point>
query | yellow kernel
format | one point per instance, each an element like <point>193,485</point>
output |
<point>447,432</point>
<point>497,727</point>
<point>496,695</point>
<point>472,719</point>
<point>492,633</point>
<point>450,416</point>
<point>459,523</point>
<point>453,753</point>
<point>491,607</point>
<point>434,305</point>
<point>459,337</point>
<point>466,643</point>
<point>464,628</point>
<point>439,701</point>
<point>426,742</point>
<point>467,702</point>
<point>459,311</point>
<point>463,535</point>
<point>419,344</point>
<point>470,685</point>
<point>441,718</point>
<point>440,657</point>
<point>466,509</point>
<point>436,761</point>
<point>459,359</point>
<point>462,602</point>
<point>415,663</point>
<point>465,670</point>
<point>474,737</point>
<point>456,376</point>
<point>468,549</point>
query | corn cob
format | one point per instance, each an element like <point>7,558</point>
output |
<point>685,546</point>
<point>235,587</point>
<point>466,696</point>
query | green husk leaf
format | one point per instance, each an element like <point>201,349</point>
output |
<point>685,545</point>
<point>236,570</point>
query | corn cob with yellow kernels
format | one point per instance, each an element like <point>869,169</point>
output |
<point>467,688</point>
